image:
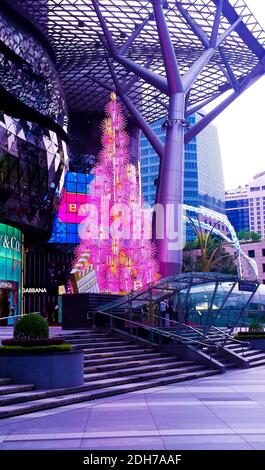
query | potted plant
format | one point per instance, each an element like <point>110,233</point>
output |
<point>32,357</point>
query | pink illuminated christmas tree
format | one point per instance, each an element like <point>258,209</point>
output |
<point>114,231</point>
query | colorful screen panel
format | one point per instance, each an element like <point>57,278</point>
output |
<point>76,191</point>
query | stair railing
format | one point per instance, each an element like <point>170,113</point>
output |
<point>184,326</point>
<point>228,336</point>
<point>205,339</point>
<point>156,331</point>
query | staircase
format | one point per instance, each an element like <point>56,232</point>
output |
<point>112,366</point>
<point>217,336</point>
<point>254,357</point>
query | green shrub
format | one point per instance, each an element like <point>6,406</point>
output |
<point>249,335</point>
<point>36,349</point>
<point>31,326</point>
<point>255,327</point>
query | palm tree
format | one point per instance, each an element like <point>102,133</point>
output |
<point>211,248</point>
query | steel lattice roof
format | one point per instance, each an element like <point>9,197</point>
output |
<point>75,34</point>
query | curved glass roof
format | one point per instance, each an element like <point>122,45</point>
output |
<point>75,34</point>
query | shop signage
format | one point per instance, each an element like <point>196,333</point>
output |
<point>34,290</point>
<point>5,285</point>
<point>247,286</point>
<point>10,243</point>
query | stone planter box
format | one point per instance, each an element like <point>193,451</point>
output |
<point>257,343</point>
<point>44,370</point>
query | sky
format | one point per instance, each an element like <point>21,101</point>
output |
<point>241,127</point>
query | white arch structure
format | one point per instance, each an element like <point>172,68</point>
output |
<point>247,267</point>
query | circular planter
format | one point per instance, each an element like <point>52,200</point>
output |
<point>44,370</point>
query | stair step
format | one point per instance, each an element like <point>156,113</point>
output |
<point>120,359</point>
<point>260,362</point>
<point>104,353</point>
<point>87,334</point>
<point>156,368</point>
<point>236,346</point>
<point>90,338</point>
<point>38,405</point>
<point>135,363</point>
<point>99,342</point>
<point>119,380</point>
<point>257,357</point>
<point>119,354</point>
<point>252,352</point>
<point>240,350</point>
<point>15,389</point>
<point>102,346</point>
<point>5,381</point>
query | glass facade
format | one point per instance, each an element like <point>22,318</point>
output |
<point>150,167</point>
<point>237,212</point>
<point>33,119</point>
<point>210,169</point>
<point>33,162</point>
<point>203,173</point>
<point>210,306</point>
<point>28,74</point>
<point>10,271</point>
<point>76,190</point>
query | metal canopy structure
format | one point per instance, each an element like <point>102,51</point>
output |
<point>75,34</point>
<point>181,288</point>
<point>165,58</point>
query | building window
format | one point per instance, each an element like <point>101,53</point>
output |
<point>251,254</point>
<point>263,252</point>
<point>263,268</point>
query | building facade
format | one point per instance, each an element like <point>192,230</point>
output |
<point>237,208</point>
<point>33,153</point>
<point>203,172</point>
<point>245,206</point>
<point>256,250</point>
<point>256,196</point>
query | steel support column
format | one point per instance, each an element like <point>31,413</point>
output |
<point>170,188</point>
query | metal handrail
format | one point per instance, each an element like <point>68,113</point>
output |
<point>185,326</point>
<point>172,321</point>
<point>228,336</point>
<point>157,330</point>
<point>176,323</point>
<point>134,296</point>
<point>243,344</point>
<point>11,316</point>
<point>200,343</point>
